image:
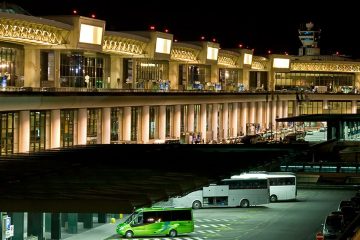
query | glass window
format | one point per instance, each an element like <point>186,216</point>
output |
<point>93,126</point>
<point>67,122</point>
<point>153,122</point>
<point>9,130</point>
<point>169,121</point>
<point>75,66</point>
<point>135,123</point>
<point>38,127</point>
<point>116,125</point>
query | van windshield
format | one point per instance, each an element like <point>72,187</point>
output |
<point>130,218</point>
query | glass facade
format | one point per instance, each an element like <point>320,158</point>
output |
<point>11,66</point>
<point>229,78</point>
<point>183,119</point>
<point>94,126</point>
<point>82,70</point>
<point>135,124</point>
<point>39,130</point>
<point>197,118</point>
<point>169,121</point>
<point>67,127</point>
<point>9,131</point>
<point>154,122</point>
<point>148,74</point>
<point>195,77</point>
<point>116,125</point>
<point>307,80</point>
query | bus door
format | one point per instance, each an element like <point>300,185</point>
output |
<point>216,196</point>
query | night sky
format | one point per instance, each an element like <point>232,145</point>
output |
<point>262,25</point>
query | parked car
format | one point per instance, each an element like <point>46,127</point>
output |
<point>333,226</point>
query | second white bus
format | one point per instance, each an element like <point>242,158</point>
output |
<point>282,185</point>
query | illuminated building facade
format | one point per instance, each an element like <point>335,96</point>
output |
<point>66,81</point>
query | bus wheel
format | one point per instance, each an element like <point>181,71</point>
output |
<point>172,233</point>
<point>244,203</point>
<point>129,234</point>
<point>196,204</point>
<point>273,198</point>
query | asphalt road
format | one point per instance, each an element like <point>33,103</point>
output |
<point>298,220</point>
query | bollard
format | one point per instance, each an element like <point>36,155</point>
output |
<point>112,220</point>
<point>121,216</point>
<point>319,236</point>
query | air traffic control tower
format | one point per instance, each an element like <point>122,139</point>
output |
<point>309,39</point>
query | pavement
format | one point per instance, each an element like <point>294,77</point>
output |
<point>100,231</point>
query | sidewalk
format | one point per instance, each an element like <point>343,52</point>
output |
<point>101,232</point>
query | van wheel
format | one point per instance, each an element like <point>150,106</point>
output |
<point>196,204</point>
<point>129,234</point>
<point>273,198</point>
<point>172,233</point>
<point>244,203</point>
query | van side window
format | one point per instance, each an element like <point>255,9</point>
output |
<point>138,219</point>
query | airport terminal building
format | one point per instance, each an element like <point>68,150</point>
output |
<point>66,80</point>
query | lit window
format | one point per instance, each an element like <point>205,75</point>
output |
<point>90,34</point>
<point>281,63</point>
<point>163,45</point>
<point>212,53</point>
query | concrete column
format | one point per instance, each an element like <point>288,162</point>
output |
<point>285,111</point>
<point>190,118</point>
<point>260,117</point>
<point>72,223</point>
<point>106,125</point>
<point>82,126</point>
<point>246,79</point>
<point>35,225</point>
<point>57,68</point>
<point>214,78</point>
<point>88,220</point>
<point>279,109</point>
<point>127,124</point>
<point>273,115</point>
<point>243,119</point>
<point>203,121</point>
<point>234,120</point>
<point>173,75</point>
<point>116,71</point>
<point>24,131</point>
<point>145,124</point>
<point>252,112</point>
<point>101,217</point>
<point>177,122</point>
<point>32,67</point>
<point>162,122</point>
<point>55,129</point>
<point>17,219</point>
<point>325,106</point>
<point>354,107</point>
<point>214,123</point>
<point>225,125</point>
<point>267,118</point>
<point>55,226</point>
<point>296,108</point>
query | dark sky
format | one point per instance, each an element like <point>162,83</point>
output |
<point>262,25</point>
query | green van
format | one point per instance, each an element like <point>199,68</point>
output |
<point>157,221</point>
